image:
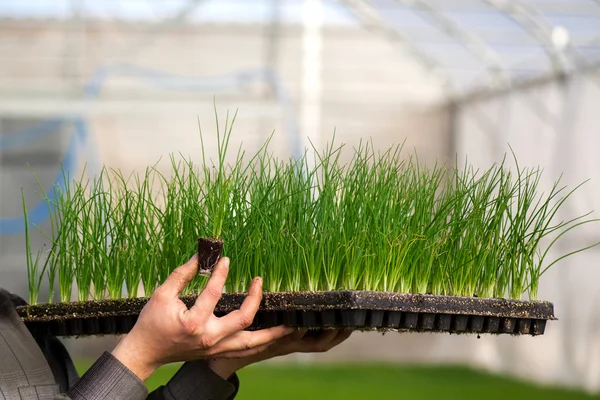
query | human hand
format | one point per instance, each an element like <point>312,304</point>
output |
<point>296,342</point>
<point>166,331</point>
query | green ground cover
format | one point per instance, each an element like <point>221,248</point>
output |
<point>368,381</point>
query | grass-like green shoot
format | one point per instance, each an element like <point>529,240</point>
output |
<point>380,221</point>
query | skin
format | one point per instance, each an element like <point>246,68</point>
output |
<point>296,342</point>
<point>167,331</point>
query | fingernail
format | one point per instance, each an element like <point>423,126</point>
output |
<point>259,280</point>
<point>225,262</point>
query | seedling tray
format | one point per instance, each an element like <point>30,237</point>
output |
<point>357,310</point>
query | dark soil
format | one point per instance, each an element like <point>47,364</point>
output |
<point>359,310</point>
<point>209,252</point>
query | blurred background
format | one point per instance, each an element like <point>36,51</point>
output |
<point>123,83</point>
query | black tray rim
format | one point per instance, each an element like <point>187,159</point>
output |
<point>308,301</point>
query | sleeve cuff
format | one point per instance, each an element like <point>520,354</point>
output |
<point>195,380</point>
<point>108,379</point>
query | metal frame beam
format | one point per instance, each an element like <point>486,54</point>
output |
<point>372,21</point>
<point>272,36</point>
<point>74,42</point>
<point>67,107</point>
<point>166,24</point>
<point>533,24</point>
<point>472,42</point>
<point>595,41</point>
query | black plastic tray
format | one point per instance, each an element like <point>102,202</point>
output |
<point>358,310</point>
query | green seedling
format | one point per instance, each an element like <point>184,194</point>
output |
<point>379,222</point>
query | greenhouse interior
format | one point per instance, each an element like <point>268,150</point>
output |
<point>125,84</point>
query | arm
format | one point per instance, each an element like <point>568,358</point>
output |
<point>298,342</point>
<point>215,378</point>
<point>166,331</point>
<point>24,372</point>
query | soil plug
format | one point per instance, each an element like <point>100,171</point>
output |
<point>209,253</point>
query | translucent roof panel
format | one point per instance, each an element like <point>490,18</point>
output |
<point>200,11</point>
<point>512,41</point>
<point>472,43</point>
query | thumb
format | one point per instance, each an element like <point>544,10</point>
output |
<point>180,277</point>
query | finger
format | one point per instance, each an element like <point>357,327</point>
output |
<point>286,343</point>
<point>298,335</point>
<point>210,295</point>
<point>179,278</point>
<point>319,344</point>
<point>290,340</point>
<point>324,338</point>
<point>246,340</point>
<point>300,342</point>
<point>241,319</point>
<point>339,339</point>
<point>244,353</point>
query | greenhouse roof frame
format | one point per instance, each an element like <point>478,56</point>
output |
<point>534,18</point>
<point>467,45</point>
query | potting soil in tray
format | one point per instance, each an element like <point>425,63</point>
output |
<point>358,310</point>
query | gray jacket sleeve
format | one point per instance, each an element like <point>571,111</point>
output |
<point>25,373</point>
<point>107,378</point>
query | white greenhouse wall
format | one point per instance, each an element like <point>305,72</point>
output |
<point>556,126</point>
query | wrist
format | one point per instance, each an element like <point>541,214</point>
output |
<point>131,357</point>
<point>225,368</point>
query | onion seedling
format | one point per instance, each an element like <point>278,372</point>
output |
<point>379,222</point>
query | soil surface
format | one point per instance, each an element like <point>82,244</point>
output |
<point>313,301</point>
